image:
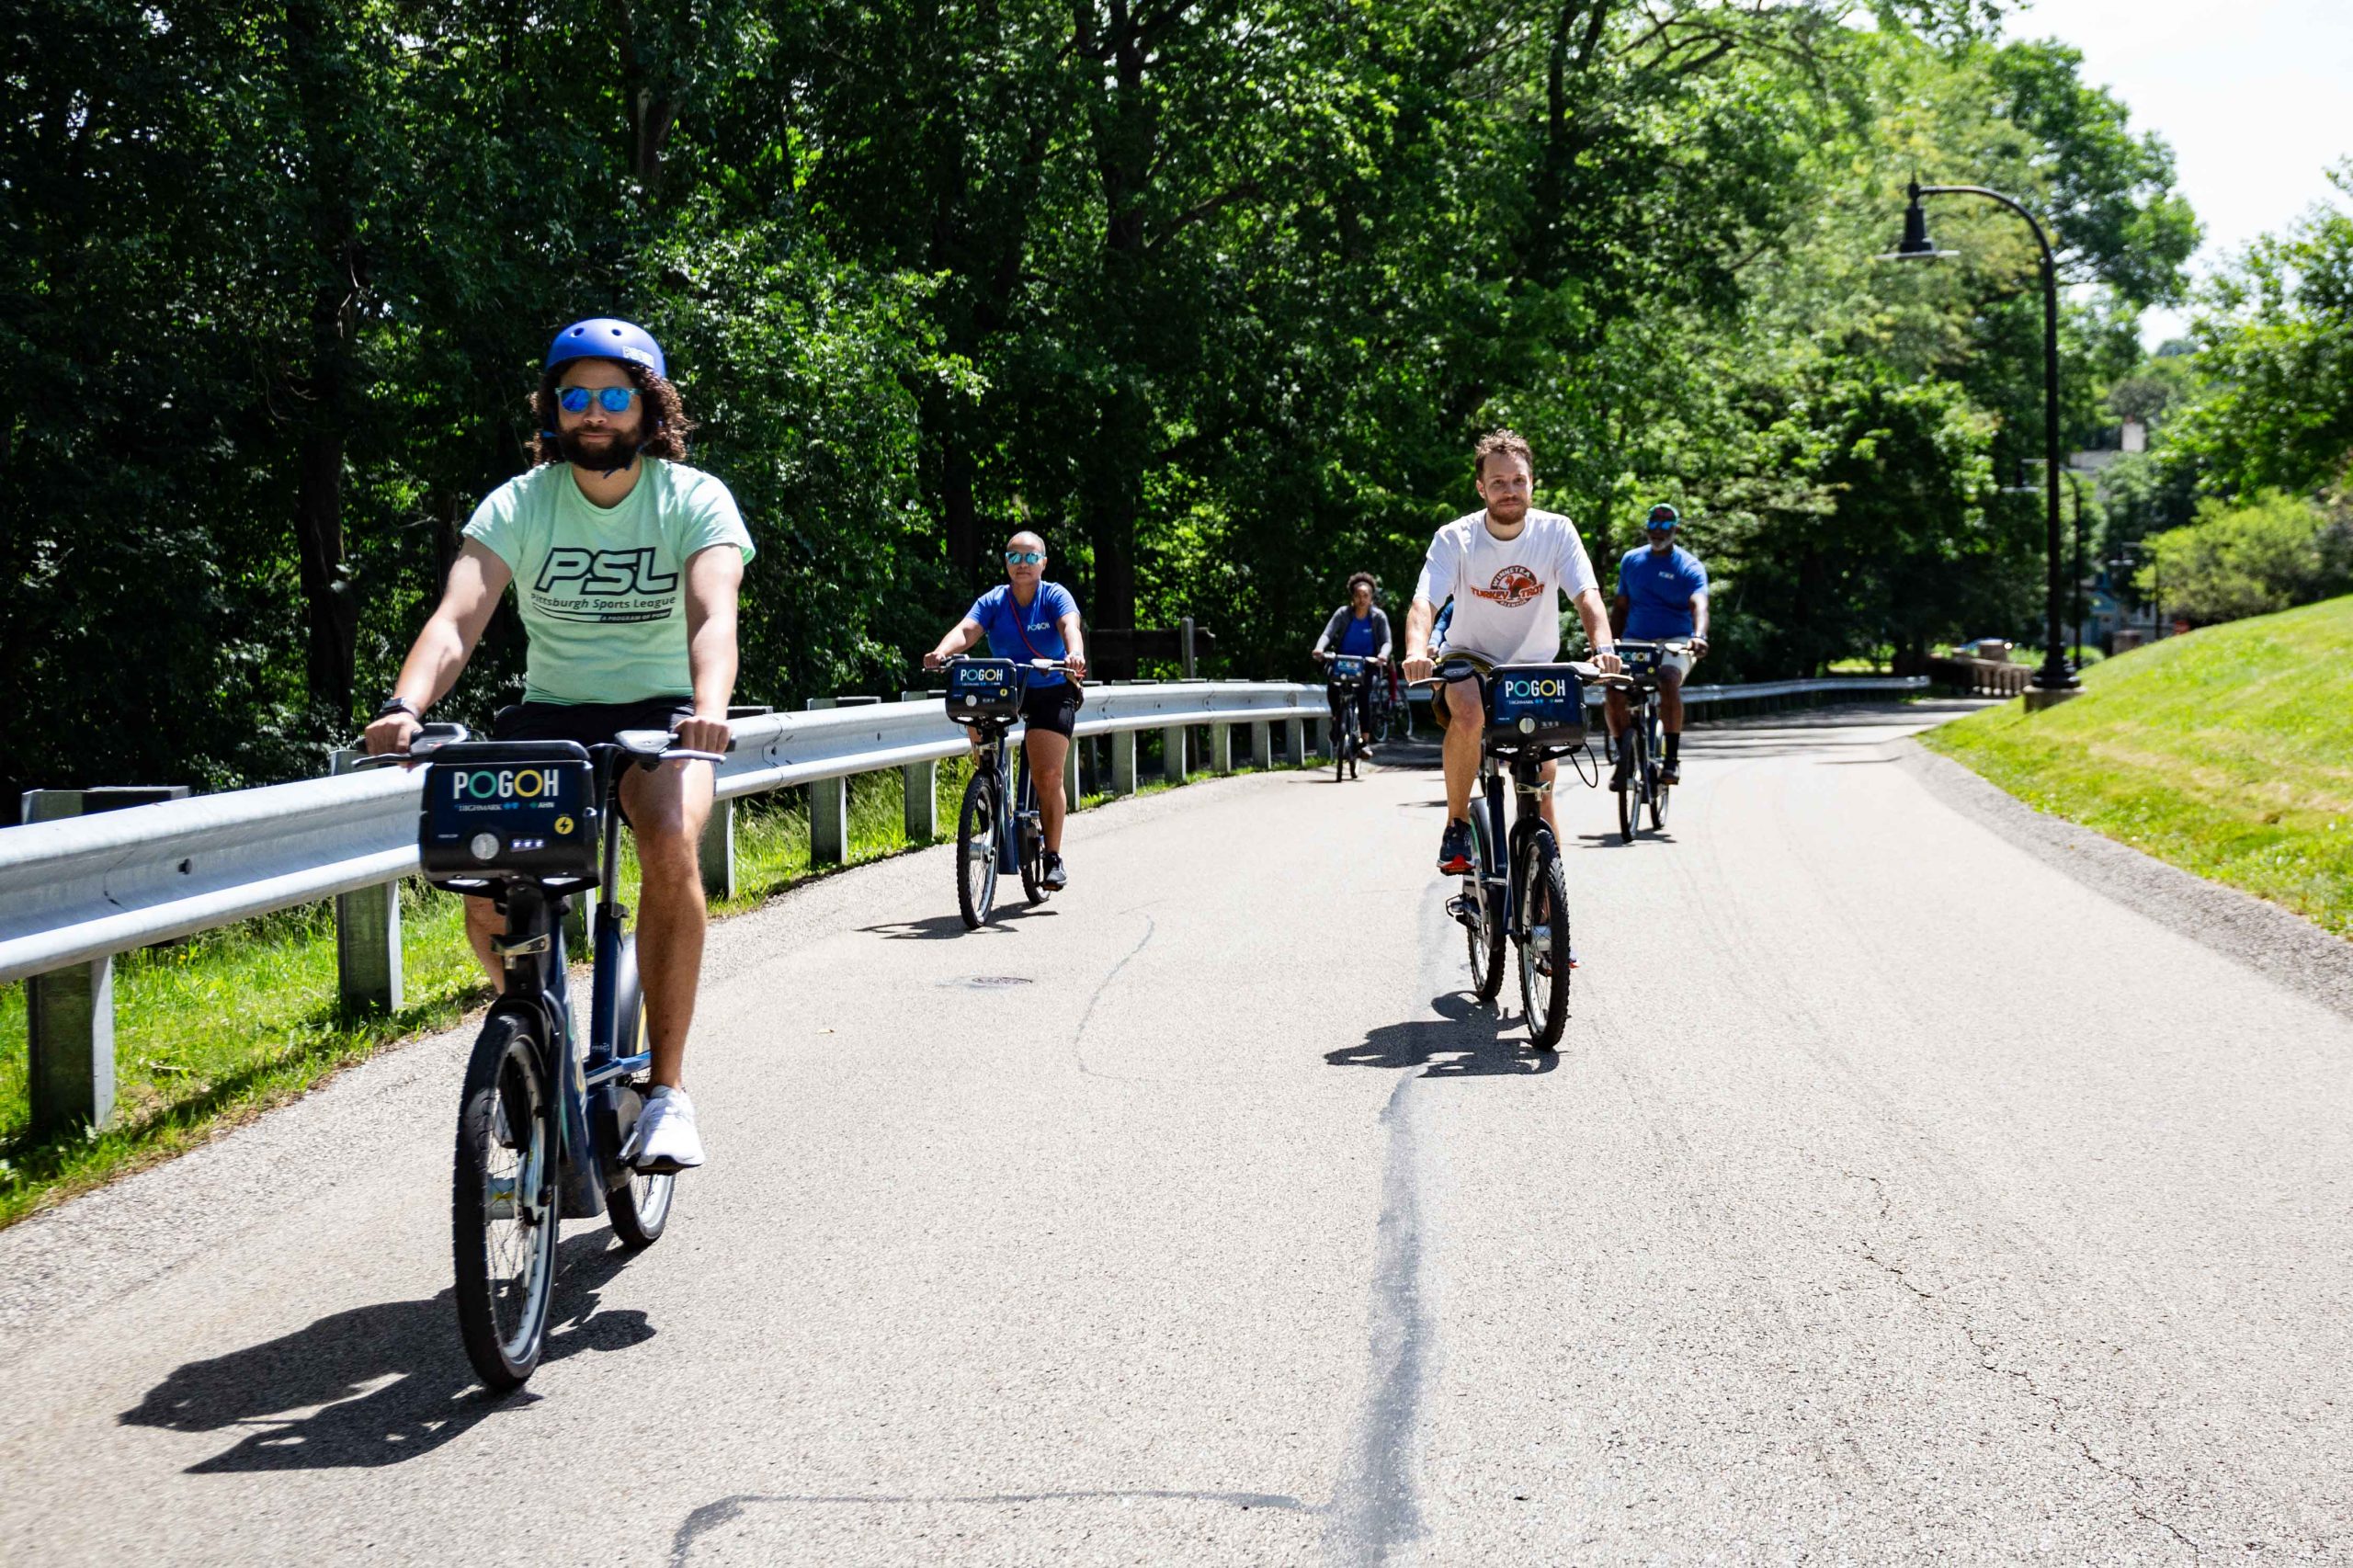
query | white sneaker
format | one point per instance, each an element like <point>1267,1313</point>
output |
<point>665,1138</point>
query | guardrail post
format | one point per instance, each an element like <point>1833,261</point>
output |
<point>1172,753</point>
<point>1294,741</point>
<point>1073,768</point>
<point>1262,744</point>
<point>921,782</point>
<point>69,1019</point>
<point>1221,748</point>
<point>717,851</point>
<point>367,936</point>
<point>1123,761</point>
<point>828,811</point>
<point>1322,723</point>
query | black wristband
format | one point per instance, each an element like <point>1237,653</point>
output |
<point>399,705</point>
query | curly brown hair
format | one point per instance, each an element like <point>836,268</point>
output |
<point>667,426</point>
<point>1497,443</point>
<point>1366,578</point>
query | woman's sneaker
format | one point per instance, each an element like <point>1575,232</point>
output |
<point>1053,878</point>
<point>665,1138</point>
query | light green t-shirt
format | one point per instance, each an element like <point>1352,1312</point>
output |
<point>603,592</point>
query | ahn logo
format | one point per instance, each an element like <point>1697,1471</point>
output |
<point>615,573</point>
<point>1513,586</point>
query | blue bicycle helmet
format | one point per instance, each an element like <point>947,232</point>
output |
<point>606,338</point>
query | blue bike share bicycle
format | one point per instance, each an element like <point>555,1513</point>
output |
<point>997,828</point>
<point>1516,890</point>
<point>1640,785</point>
<point>541,1125</point>
<point>1346,687</point>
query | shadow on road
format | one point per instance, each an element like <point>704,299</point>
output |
<point>1465,1041</point>
<point>943,927</point>
<point>374,1385</point>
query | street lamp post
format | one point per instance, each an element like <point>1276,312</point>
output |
<point>2052,682</point>
<point>2076,484</point>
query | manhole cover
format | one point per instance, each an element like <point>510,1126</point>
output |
<point>988,981</point>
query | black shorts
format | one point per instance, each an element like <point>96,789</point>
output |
<point>1052,708</point>
<point>588,723</point>
<point>1440,712</point>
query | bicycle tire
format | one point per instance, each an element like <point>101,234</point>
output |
<point>1629,786</point>
<point>1033,861</point>
<point>1545,963</point>
<point>1658,806</point>
<point>504,1210</point>
<point>1343,740</point>
<point>1487,932</point>
<point>976,829</point>
<point>641,1206</point>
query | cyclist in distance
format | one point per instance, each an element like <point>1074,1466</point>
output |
<point>1359,627</point>
<point>1027,618</point>
<point>1506,566</point>
<point>626,565</point>
<point>1662,597</point>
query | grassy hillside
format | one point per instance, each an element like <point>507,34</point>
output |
<point>2228,753</point>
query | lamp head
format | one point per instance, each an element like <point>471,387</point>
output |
<point>1916,245</point>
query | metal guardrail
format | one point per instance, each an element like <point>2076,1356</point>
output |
<point>77,891</point>
<point>1981,677</point>
<point>1768,692</point>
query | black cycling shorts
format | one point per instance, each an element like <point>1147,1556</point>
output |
<point>588,723</point>
<point>1052,708</point>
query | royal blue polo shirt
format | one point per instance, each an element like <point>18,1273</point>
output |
<point>1658,589</point>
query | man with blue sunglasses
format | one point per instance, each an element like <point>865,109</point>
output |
<point>626,565</point>
<point>1662,597</point>
<point>1026,618</point>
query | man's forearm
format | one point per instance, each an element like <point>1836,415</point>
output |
<point>1419,618</point>
<point>434,663</point>
<point>711,660</point>
<point>1699,616</point>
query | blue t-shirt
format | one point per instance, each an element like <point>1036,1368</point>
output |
<point>1658,589</point>
<point>1025,634</point>
<point>1359,636</point>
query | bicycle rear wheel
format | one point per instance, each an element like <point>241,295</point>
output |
<point>1033,859</point>
<point>1545,955</point>
<point>1658,805</point>
<point>641,1206</point>
<point>976,831</point>
<point>1630,753</point>
<point>502,1211</point>
<point>1484,929</point>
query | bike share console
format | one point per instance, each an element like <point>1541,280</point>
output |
<point>1535,708</point>
<point>984,690</point>
<point>509,809</point>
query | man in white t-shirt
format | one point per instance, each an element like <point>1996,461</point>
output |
<point>1506,567</point>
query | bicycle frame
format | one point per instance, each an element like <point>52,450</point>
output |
<point>1014,803</point>
<point>535,928</point>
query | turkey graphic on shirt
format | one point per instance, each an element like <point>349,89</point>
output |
<point>1513,586</point>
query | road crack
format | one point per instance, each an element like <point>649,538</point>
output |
<point>1983,1347</point>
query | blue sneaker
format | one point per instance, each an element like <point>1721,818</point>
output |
<point>1454,849</point>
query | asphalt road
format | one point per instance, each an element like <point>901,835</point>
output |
<point>1896,1195</point>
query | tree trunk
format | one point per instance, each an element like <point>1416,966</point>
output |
<point>324,389</point>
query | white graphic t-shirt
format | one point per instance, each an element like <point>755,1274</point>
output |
<point>603,589</point>
<point>1507,592</point>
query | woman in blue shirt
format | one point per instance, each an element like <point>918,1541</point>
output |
<point>1027,618</point>
<point>1362,628</point>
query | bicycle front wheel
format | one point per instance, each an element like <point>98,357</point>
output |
<point>1485,929</point>
<point>1658,805</point>
<point>1344,740</point>
<point>502,1211</point>
<point>1545,957</point>
<point>641,1206</point>
<point>976,831</point>
<point>1630,786</point>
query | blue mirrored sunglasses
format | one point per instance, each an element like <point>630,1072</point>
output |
<point>615,400</point>
<point>1024,558</point>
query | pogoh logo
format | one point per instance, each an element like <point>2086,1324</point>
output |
<point>501,784</point>
<point>1536,689</point>
<point>1513,586</point>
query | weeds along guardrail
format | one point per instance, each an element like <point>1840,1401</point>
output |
<point>77,891</point>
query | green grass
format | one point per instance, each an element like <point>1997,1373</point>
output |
<point>213,1031</point>
<point>2228,752</point>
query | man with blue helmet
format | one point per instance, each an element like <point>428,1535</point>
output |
<point>1662,597</point>
<point>626,565</point>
